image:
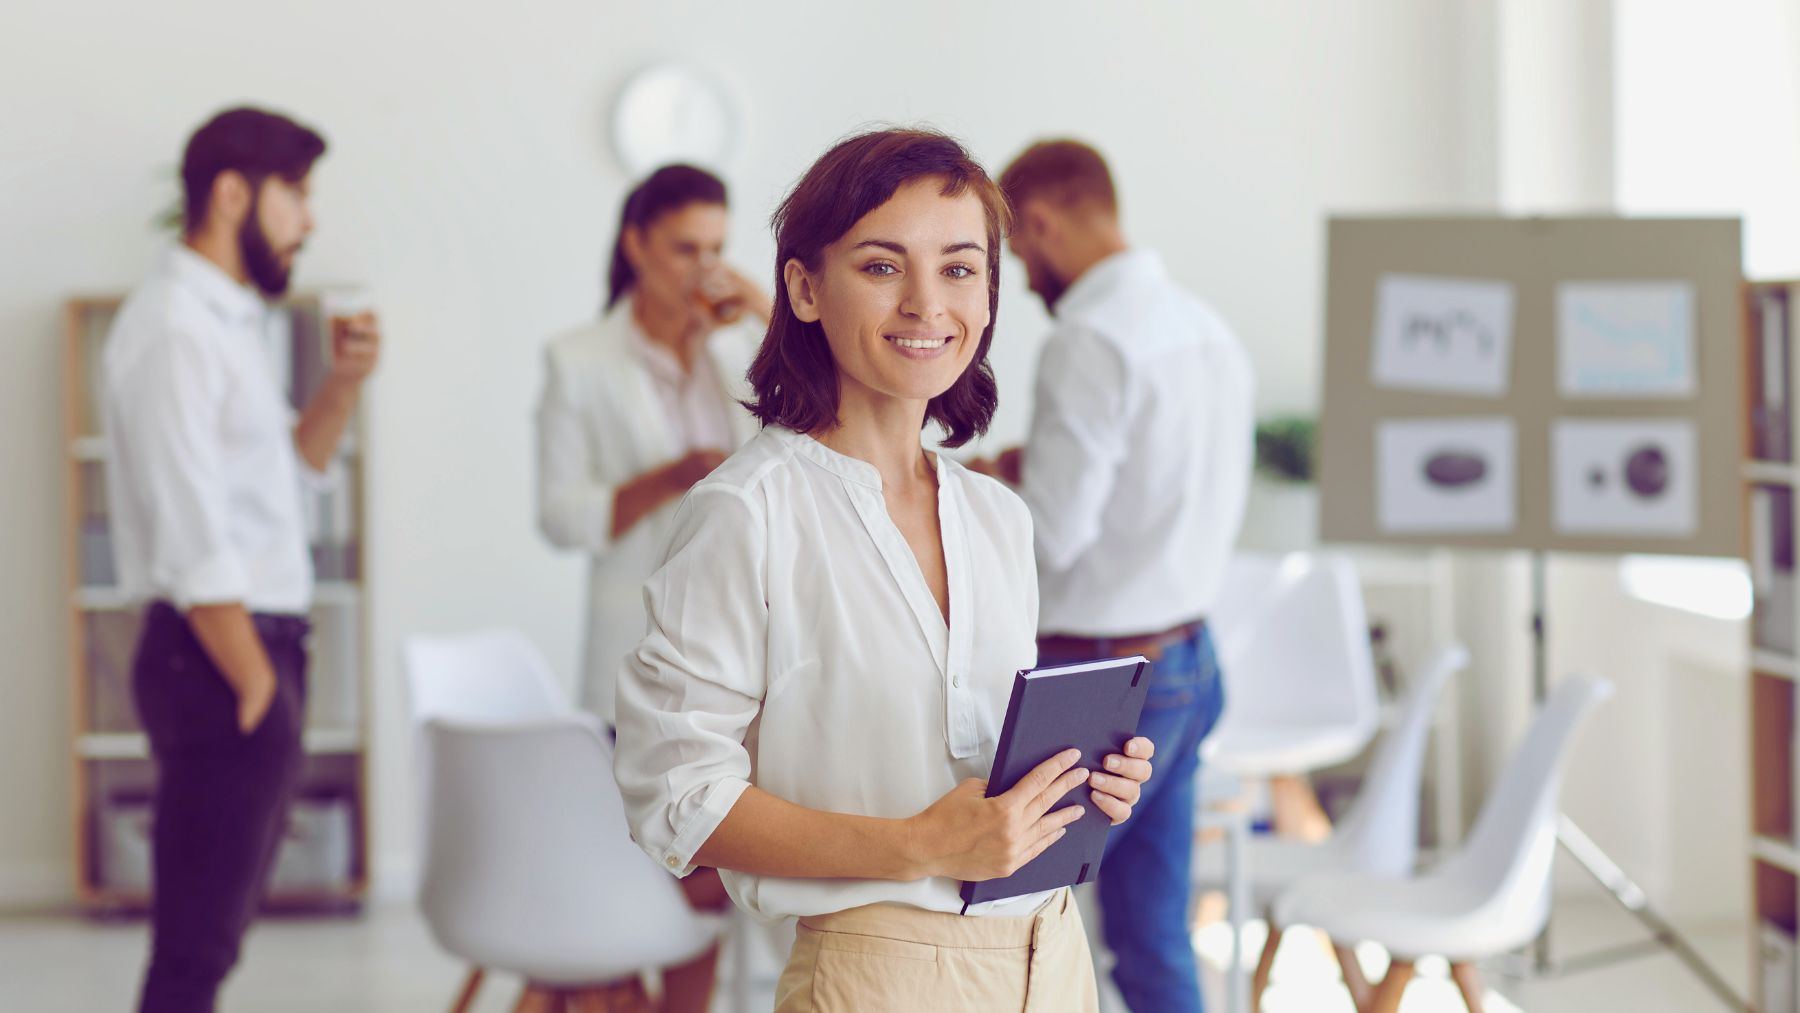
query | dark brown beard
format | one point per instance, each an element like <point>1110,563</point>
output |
<point>260,261</point>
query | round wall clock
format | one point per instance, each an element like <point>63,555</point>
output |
<point>673,112</point>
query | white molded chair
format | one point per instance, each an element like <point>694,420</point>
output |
<point>1293,643</point>
<point>1492,896</point>
<point>529,866</point>
<point>493,676</point>
<point>1379,836</point>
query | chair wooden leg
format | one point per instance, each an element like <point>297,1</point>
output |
<point>1469,981</point>
<point>1359,987</point>
<point>1387,997</point>
<point>537,999</point>
<point>466,997</point>
<point>618,997</point>
<point>1264,965</point>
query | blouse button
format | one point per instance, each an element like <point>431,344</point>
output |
<point>673,862</point>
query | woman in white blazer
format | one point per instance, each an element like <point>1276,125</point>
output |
<point>644,402</point>
<point>638,406</point>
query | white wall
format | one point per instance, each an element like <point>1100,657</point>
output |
<point>1584,106</point>
<point>469,185</point>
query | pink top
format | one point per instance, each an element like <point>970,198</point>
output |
<point>695,403</point>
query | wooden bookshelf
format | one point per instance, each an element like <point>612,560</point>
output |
<point>113,774</point>
<point>1771,478</point>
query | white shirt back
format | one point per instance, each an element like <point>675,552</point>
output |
<point>793,644</point>
<point>1138,461</point>
<point>203,480</point>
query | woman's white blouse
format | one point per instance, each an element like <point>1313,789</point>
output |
<point>793,644</point>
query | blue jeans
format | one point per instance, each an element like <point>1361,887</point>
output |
<point>1145,878</point>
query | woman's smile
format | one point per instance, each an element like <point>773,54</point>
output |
<point>918,345</point>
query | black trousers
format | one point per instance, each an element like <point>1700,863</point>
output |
<point>221,800</point>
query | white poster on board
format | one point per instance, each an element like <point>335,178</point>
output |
<point>1445,475</point>
<point>1443,334</point>
<point>1625,339</point>
<point>1624,477</point>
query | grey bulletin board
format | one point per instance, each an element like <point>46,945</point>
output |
<point>1639,452</point>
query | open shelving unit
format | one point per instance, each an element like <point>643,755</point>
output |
<point>1772,312</point>
<point>323,862</point>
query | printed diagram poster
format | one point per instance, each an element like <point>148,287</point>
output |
<point>1624,477</point>
<point>1452,335</point>
<point>1629,339</point>
<point>1446,475</point>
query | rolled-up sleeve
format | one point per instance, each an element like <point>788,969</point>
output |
<point>687,696</point>
<point>1078,438</point>
<point>167,412</point>
<point>575,509</point>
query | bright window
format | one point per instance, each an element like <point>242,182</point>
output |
<point>1719,588</point>
<point>1708,118</point>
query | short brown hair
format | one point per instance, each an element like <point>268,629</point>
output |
<point>1064,172</point>
<point>794,375</point>
<point>253,142</point>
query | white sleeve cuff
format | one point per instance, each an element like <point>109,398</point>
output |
<point>315,481</point>
<point>220,577</point>
<point>678,857</point>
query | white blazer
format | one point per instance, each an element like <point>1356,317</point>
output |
<point>600,424</point>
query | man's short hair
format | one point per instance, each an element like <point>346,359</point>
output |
<point>1066,173</point>
<point>254,142</point>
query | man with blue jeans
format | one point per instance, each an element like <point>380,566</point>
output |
<point>1136,469</point>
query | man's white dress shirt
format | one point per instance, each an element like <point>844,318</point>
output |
<point>203,480</point>
<point>1139,455</point>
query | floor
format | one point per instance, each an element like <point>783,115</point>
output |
<point>385,960</point>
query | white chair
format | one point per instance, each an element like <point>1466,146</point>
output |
<point>529,866</point>
<point>1379,836</point>
<point>1492,896</point>
<point>493,676</point>
<point>1293,643</point>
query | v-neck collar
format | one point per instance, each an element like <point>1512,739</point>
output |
<point>952,643</point>
<point>864,482</point>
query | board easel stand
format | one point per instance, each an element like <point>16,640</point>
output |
<point>1594,860</point>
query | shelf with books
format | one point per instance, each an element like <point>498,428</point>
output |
<point>114,777</point>
<point>1778,852</point>
<point>134,746</point>
<point>1771,475</point>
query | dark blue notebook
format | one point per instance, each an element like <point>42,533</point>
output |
<point>1092,706</point>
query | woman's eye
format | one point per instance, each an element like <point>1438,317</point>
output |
<point>960,271</point>
<point>881,269</point>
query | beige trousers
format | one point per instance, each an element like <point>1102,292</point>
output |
<point>885,957</point>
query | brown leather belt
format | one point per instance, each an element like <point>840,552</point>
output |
<point>1150,645</point>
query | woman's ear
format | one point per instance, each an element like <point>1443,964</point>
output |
<point>631,240</point>
<point>802,291</point>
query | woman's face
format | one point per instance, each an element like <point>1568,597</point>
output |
<point>674,251</point>
<point>902,296</point>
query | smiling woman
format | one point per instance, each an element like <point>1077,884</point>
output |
<point>835,628</point>
<point>904,230</point>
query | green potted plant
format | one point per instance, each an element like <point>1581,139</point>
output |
<point>1284,501</point>
<point>1284,448</point>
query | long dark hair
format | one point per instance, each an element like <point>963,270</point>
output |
<point>794,375</point>
<point>669,188</point>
